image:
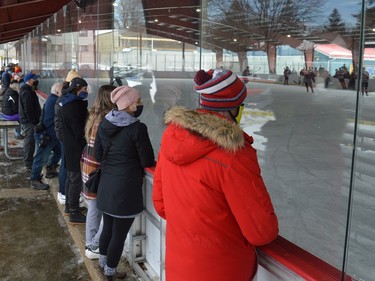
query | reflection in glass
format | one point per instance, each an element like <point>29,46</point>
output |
<point>305,141</point>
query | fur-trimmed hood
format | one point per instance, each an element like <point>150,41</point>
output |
<point>192,134</point>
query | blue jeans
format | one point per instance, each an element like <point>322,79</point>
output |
<point>43,156</point>
<point>94,224</point>
<point>62,171</point>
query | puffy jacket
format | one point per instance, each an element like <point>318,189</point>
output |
<point>58,118</point>
<point>10,102</point>
<point>120,187</point>
<point>29,107</point>
<point>49,115</point>
<point>209,188</point>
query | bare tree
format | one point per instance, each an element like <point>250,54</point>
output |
<point>129,15</point>
<point>266,21</point>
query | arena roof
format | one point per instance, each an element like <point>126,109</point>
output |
<point>19,17</point>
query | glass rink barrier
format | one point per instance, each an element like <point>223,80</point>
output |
<point>279,261</point>
<point>309,70</point>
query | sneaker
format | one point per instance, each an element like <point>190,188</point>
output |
<point>77,218</point>
<point>61,198</point>
<point>92,252</point>
<point>39,185</point>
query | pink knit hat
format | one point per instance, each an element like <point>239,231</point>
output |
<point>124,96</point>
<point>219,89</point>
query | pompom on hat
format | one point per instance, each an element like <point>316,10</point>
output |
<point>124,96</point>
<point>72,74</point>
<point>219,89</point>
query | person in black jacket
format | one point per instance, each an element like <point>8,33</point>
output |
<point>10,106</point>
<point>128,151</point>
<point>6,78</point>
<point>59,134</point>
<point>73,116</point>
<point>29,111</point>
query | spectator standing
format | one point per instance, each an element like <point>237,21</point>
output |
<point>46,142</point>
<point>10,106</point>
<point>102,105</point>
<point>246,71</point>
<point>2,70</point>
<point>73,117</point>
<point>112,75</point>
<point>287,72</point>
<point>119,196</point>
<point>19,78</point>
<point>59,134</point>
<point>308,79</point>
<point>6,77</point>
<point>340,75</point>
<point>365,79</point>
<point>209,188</point>
<point>29,112</point>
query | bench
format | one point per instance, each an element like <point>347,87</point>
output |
<point>5,126</point>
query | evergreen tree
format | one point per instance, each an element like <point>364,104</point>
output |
<point>335,24</point>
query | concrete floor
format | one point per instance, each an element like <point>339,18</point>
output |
<point>37,242</point>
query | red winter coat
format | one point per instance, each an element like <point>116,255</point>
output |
<point>208,186</point>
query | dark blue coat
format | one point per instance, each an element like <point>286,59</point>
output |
<point>49,115</point>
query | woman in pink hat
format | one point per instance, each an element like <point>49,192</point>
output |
<point>123,148</point>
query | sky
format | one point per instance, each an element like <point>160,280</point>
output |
<point>345,7</point>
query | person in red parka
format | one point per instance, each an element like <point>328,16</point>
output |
<point>208,187</point>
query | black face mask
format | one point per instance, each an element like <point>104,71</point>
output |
<point>35,85</point>
<point>138,112</point>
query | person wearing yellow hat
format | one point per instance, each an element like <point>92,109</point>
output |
<point>73,116</point>
<point>58,129</point>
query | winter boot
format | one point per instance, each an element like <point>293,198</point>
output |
<point>68,211</point>
<point>112,274</point>
<point>76,217</point>
<point>39,185</point>
<point>51,171</point>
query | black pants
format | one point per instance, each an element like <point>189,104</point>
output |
<point>73,188</point>
<point>112,239</point>
<point>28,144</point>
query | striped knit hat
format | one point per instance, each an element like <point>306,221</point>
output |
<point>219,89</point>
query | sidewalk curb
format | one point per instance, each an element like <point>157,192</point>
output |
<point>77,233</point>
